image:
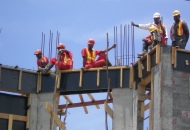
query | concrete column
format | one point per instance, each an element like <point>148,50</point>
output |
<point>125,106</point>
<point>39,116</point>
<point>170,105</point>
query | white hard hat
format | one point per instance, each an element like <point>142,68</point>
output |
<point>156,15</point>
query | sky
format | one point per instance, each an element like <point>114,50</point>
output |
<point>23,21</point>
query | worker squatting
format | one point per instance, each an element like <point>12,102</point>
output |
<point>179,34</point>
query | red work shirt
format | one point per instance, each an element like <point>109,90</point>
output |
<point>42,62</point>
<point>84,53</point>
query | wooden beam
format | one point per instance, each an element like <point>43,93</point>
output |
<point>29,99</point>
<point>92,98</point>
<point>68,99</point>
<point>121,77</point>
<point>58,76</point>
<point>158,49</point>
<point>148,63</point>
<point>10,124</point>
<point>28,119</point>
<point>20,80</point>
<point>81,77</point>
<point>90,103</point>
<point>15,117</point>
<point>145,81</point>
<point>147,106</point>
<point>131,80</point>
<point>39,82</point>
<point>142,109</point>
<point>108,110</point>
<point>82,101</point>
<point>110,95</point>
<point>98,77</point>
<point>173,55</point>
<point>55,117</point>
<point>140,69</point>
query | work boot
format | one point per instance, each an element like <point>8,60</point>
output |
<point>47,68</point>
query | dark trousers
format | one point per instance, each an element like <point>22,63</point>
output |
<point>181,43</point>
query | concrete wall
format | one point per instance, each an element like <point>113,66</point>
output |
<point>171,100</point>
<point>39,116</point>
<point>125,107</point>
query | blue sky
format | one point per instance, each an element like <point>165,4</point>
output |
<point>23,22</point>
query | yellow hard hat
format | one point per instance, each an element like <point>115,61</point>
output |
<point>152,28</point>
<point>176,12</point>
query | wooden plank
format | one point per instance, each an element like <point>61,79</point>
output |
<point>142,109</point>
<point>173,55</point>
<point>110,95</point>
<point>79,104</point>
<point>55,117</point>
<point>20,80</point>
<point>148,63</point>
<point>81,77</point>
<point>15,117</point>
<point>131,80</point>
<point>158,56</point>
<point>147,106</point>
<point>38,83</point>
<point>140,69</point>
<point>121,77</point>
<point>68,99</point>
<point>145,81</point>
<point>151,103</point>
<point>29,99</point>
<point>57,95</point>
<point>28,119</point>
<point>141,93</point>
<point>92,98</point>
<point>82,101</point>
<point>108,110</point>
<point>98,77</point>
<point>10,124</point>
<point>95,69</point>
<point>58,79</point>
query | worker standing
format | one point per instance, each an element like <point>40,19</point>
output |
<point>89,56</point>
<point>42,60</point>
<point>160,27</point>
<point>179,32</point>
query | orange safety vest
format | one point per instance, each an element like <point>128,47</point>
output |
<point>66,58</point>
<point>159,28</point>
<point>179,28</point>
<point>90,58</point>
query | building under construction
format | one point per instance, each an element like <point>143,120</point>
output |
<point>160,76</point>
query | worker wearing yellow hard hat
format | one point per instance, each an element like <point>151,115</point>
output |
<point>179,32</point>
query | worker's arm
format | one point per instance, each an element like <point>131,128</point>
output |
<point>113,46</point>
<point>186,30</point>
<point>133,24</point>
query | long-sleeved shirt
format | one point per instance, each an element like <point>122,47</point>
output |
<point>147,27</point>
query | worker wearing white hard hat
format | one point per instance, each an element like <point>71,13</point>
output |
<point>157,23</point>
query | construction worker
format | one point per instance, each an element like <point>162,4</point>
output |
<point>160,27</point>
<point>42,60</point>
<point>89,56</point>
<point>64,61</point>
<point>179,32</point>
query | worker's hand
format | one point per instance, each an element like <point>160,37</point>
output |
<point>132,23</point>
<point>114,45</point>
<point>144,40</point>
